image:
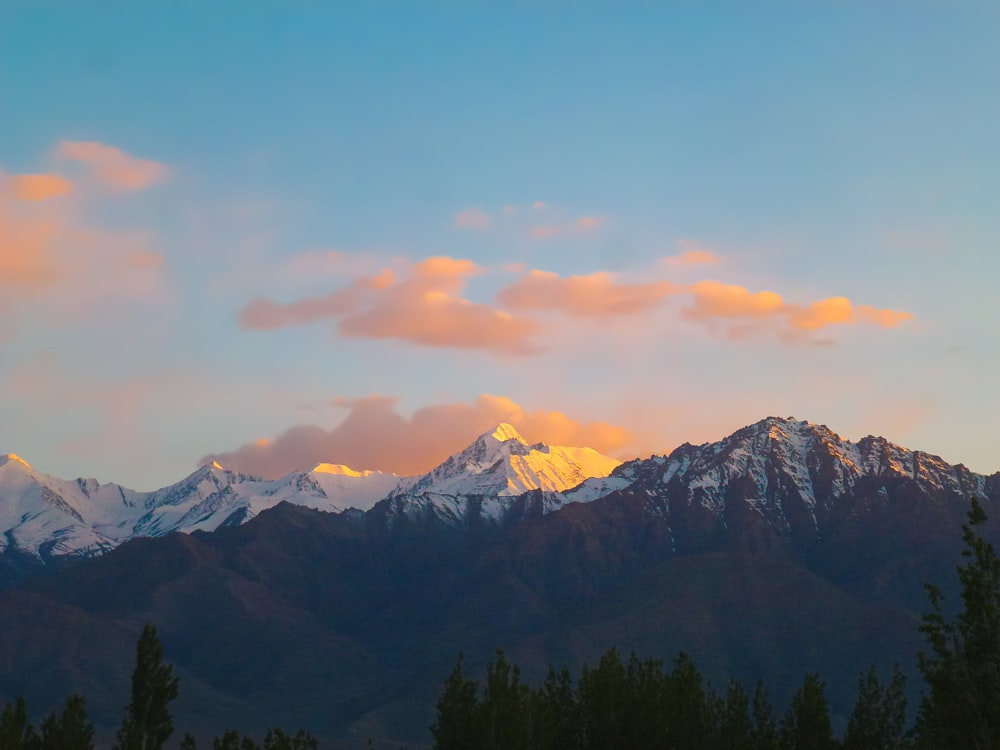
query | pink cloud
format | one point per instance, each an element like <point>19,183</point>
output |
<point>117,170</point>
<point>472,218</point>
<point>53,254</point>
<point>424,307</point>
<point>596,294</point>
<point>39,187</point>
<point>374,436</point>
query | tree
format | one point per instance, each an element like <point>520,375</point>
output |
<point>806,726</point>
<point>457,711</point>
<point>70,731</point>
<point>148,723</point>
<point>878,720</point>
<point>188,743</point>
<point>962,707</point>
<point>764,733</point>
<point>16,733</point>
<point>276,739</point>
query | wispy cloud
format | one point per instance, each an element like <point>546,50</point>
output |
<point>39,187</point>
<point>375,436</point>
<point>473,218</point>
<point>113,168</point>
<point>423,307</point>
<point>581,225</point>
<point>596,294</point>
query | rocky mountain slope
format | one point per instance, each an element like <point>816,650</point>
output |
<point>778,550</point>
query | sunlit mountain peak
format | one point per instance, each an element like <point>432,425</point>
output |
<point>15,458</point>
<point>338,469</point>
<point>505,431</point>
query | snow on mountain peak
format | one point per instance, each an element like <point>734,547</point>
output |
<point>339,470</point>
<point>13,457</point>
<point>505,431</point>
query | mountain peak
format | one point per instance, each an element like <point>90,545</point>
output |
<point>338,469</point>
<point>13,457</point>
<point>505,431</point>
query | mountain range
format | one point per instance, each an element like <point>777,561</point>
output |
<point>338,600</point>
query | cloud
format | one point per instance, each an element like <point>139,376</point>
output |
<point>423,308</point>
<point>581,225</point>
<point>713,300</point>
<point>117,170</point>
<point>472,218</point>
<point>538,205</point>
<point>374,436</point>
<point>53,254</point>
<point>596,294</point>
<point>691,257</point>
<point>39,187</point>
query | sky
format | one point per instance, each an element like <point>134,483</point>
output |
<point>365,232</point>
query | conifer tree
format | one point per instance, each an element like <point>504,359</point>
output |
<point>188,742</point>
<point>878,721</point>
<point>70,731</point>
<point>962,707</point>
<point>764,733</point>
<point>148,723</point>
<point>457,711</point>
<point>806,726</point>
<point>16,732</point>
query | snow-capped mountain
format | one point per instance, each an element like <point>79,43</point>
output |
<point>789,476</point>
<point>795,476</point>
<point>44,516</point>
<point>484,479</point>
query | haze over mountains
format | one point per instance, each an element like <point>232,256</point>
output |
<point>780,549</point>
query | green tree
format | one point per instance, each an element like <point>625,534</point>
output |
<point>604,699</point>
<point>504,709</point>
<point>148,723</point>
<point>962,707</point>
<point>556,711</point>
<point>457,712</point>
<point>16,732</point>
<point>733,726</point>
<point>188,743</point>
<point>806,725</point>
<point>230,740</point>
<point>278,740</point>
<point>764,732</point>
<point>70,731</point>
<point>878,721</point>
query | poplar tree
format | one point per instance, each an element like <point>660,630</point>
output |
<point>148,723</point>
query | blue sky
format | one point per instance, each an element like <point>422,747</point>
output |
<point>236,207</point>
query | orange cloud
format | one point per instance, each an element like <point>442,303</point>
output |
<point>472,218</point>
<point>714,300</point>
<point>374,436</point>
<point>593,294</point>
<point>38,187</point>
<point>688,258</point>
<point>424,308</point>
<point>117,170</point>
<point>52,254</point>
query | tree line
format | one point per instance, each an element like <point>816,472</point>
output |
<point>147,725</point>
<point>633,703</point>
